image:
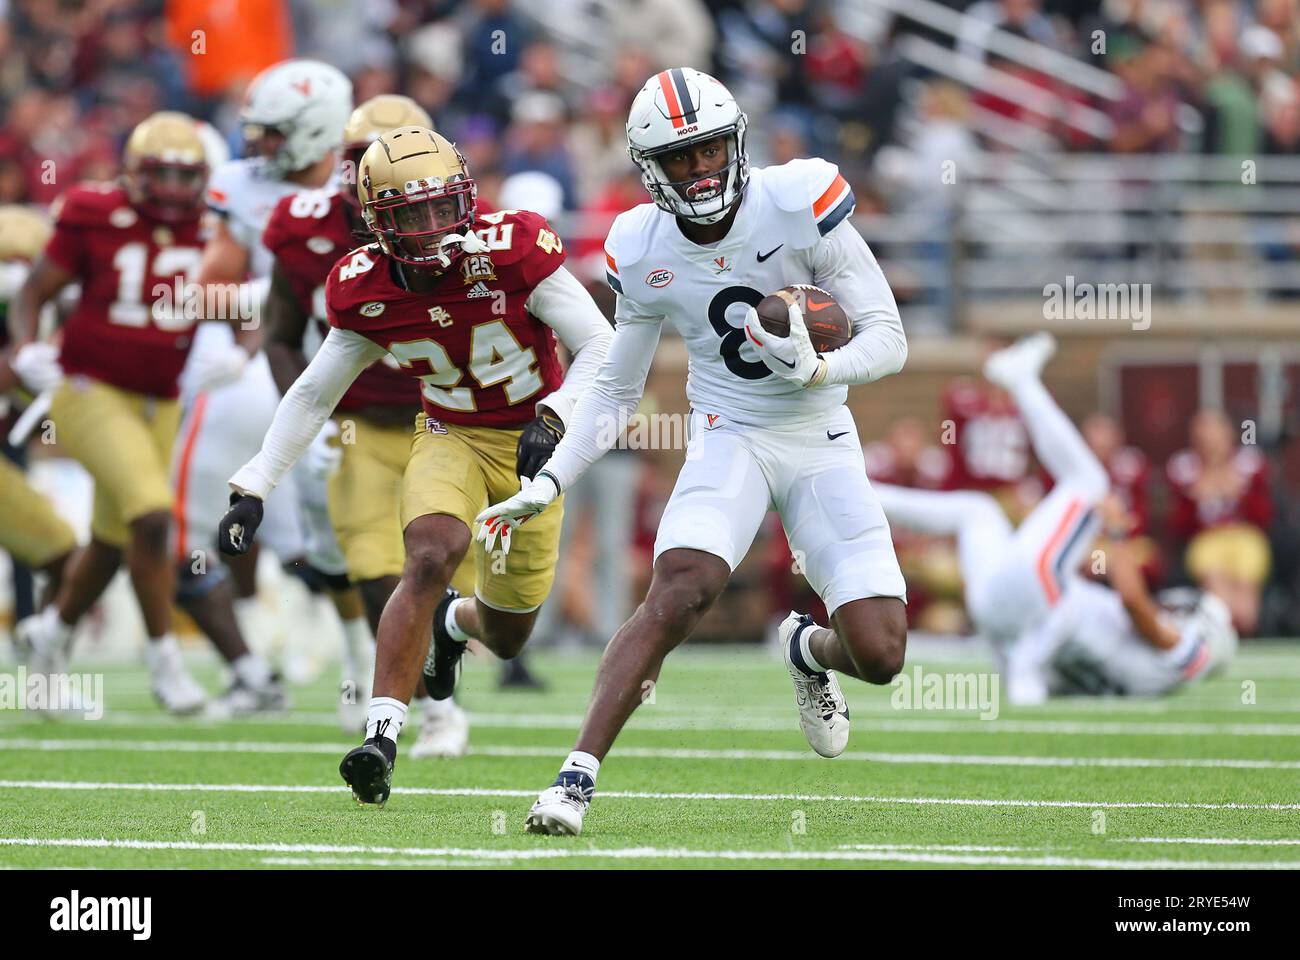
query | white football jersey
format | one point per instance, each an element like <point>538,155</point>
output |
<point>245,192</point>
<point>776,240</point>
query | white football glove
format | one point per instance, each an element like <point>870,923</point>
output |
<point>37,366</point>
<point>791,358</point>
<point>323,458</point>
<point>500,519</point>
<point>217,368</point>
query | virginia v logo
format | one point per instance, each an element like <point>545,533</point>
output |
<point>77,913</point>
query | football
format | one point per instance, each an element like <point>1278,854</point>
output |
<point>827,323</point>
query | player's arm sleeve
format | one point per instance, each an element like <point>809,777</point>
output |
<point>604,408</point>
<point>844,265</point>
<point>564,305</point>
<point>305,408</point>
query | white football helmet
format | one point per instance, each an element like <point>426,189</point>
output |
<point>294,113</point>
<point>678,107</point>
<point>1205,615</point>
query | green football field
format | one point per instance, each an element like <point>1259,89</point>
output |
<point>713,772</point>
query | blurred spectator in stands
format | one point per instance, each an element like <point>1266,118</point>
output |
<point>598,141</point>
<point>435,67</point>
<point>987,444</point>
<point>673,33</point>
<point>1130,483</point>
<point>495,39</point>
<point>928,169</point>
<point>1231,114</point>
<point>1145,117</point>
<point>222,46</point>
<point>907,456</point>
<point>1283,19</point>
<point>621,192</point>
<point>535,141</point>
<point>540,71</point>
<point>985,16</point>
<point>1280,102</point>
<point>353,35</point>
<point>1221,513</point>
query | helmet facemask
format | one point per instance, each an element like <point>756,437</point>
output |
<point>424,226</point>
<point>170,192</point>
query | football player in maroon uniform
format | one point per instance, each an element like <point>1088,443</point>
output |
<point>306,233</point>
<point>471,307</point>
<point>131,245</point>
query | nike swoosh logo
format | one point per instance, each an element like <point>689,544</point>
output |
<point>814,307</point>
<point>835,436</point>
<point>787,363</point>
<point>764,256</point>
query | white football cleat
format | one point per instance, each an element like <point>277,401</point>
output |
<point>172,685</point>
<point>823,713</point>
<point>40,644</point>
<point>1023,360</point>
<point>241,700</point>
<point>442,734</point>
<point>560,807</point>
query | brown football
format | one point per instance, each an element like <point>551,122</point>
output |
<point>827,323</point>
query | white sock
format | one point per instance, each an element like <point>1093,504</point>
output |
<point>806,651</point>
<point>53,626</point>
<point>162,651</point>
<point>433,709</point>
<point>252,671</point>
<point>582,763</point>
<point>453,628</point>
<point>385,718</point>
<point>357,638</point>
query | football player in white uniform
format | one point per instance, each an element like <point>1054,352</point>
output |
<point>293,118</point>
<point>1052,630</point>
<point>769,425</point>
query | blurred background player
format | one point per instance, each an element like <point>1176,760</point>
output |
<point>307,233</point>
<point>471,308</point>
<point>32,532</point>
<point>131,245</point>
<point>1024,590</point>
<point>292,120</point>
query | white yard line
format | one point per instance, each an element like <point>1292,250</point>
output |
<point>653,853</point>
<point>644,795</point>
<point>685,721</point>
<point>657,753</point>
<point>1211,841</point>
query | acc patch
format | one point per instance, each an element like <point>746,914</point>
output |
<point>320,245</point>
<point>659,278</point>
<point>123,217</point>
<point>372,309</point>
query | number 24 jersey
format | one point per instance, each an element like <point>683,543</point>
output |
<point>481,358</point>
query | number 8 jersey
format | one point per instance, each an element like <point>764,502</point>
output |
<point>781,235</point>
<point>481,358</point>
<point>128,329</point>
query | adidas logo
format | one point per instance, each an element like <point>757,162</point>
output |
<point>480,289</point>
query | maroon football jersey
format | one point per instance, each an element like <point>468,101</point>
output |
<point>129,329</point>
<point>991,448</point>
<point>307,232</point>
<point>482,359</point>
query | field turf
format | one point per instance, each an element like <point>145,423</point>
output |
<point>714,772</point>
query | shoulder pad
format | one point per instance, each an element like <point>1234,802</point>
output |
<point>629,241</point>
<point>88,203</point>
<point>813,186</point>
<point>350,279</point>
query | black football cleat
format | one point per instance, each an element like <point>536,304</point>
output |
<point>368,770</point>
<point>442,665</point>
<point>516,675</point>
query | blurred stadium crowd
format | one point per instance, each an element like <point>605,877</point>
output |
<point>544,86</point>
